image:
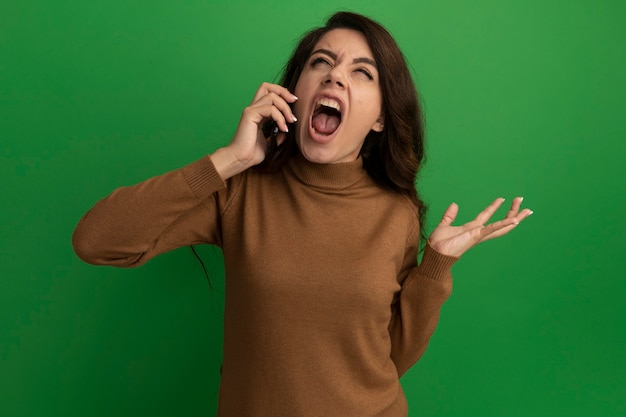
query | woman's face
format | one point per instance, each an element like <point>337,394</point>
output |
<point>339,98</point>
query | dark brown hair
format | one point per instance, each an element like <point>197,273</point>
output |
<point>394,156</point>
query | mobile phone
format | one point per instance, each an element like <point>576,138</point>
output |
<point>270,130</point>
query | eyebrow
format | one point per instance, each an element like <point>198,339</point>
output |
<point>362,60</point>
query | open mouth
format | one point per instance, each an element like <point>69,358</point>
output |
<point>326,116</point>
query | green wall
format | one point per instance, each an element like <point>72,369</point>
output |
<point>521,97</point>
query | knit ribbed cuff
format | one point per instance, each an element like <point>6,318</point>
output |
<point>203,178</point>
<point>436,265</point>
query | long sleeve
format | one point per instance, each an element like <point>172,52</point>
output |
<point>136,223</point>
<point>416,312</point>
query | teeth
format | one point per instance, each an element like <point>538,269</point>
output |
<point>328,102</point>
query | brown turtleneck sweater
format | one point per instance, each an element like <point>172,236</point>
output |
<point>325,305</point>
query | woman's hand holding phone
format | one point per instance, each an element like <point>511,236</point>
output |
<point>249,145</point>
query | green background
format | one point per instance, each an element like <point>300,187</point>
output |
<point>522,97</point>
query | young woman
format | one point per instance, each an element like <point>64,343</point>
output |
<point>314,206</point>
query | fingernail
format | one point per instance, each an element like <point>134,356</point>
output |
<point>294,118</point>
<point>521,199</point>
<point>286,129</point>
<point>531,212</point>
<point>294,96</point>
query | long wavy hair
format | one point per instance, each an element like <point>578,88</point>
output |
<point>394,156</point>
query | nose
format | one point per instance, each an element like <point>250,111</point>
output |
<point>334,76</point>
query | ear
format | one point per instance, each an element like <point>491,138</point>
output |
<point>379,125</point>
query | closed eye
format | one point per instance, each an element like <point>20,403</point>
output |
<point>366,73</point>
<point>318,61</point>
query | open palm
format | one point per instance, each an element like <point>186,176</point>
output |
<point>456,240</point>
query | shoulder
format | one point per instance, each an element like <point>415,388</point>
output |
<point>401,215</point>
<point>251,185</point>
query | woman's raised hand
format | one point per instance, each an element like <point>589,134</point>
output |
<point>249,144</point>
<point>456,240</point>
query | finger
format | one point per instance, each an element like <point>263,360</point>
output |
<point>279,118</point>
<point>515,206</point>
<point>484,216</point>
<point>497,229</point>
<point>276,100</point>
<point>280,138</point>
<point>450,214</point>
<point>257,114</point>
<point>267,88</point>
<point>503,227</point>
<point>524,214</point>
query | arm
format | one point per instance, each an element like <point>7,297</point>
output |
<point>138,222</point>
<point>178,208</point>
<point>426,288</point>
<point>416,312</point>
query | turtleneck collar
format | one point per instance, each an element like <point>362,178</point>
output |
<point>330,177</point>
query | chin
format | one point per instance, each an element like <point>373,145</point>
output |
<point>325,156</point>
<point>324,153</point>
<point>317,156</point>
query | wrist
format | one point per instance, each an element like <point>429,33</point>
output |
<point>227,164</point>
